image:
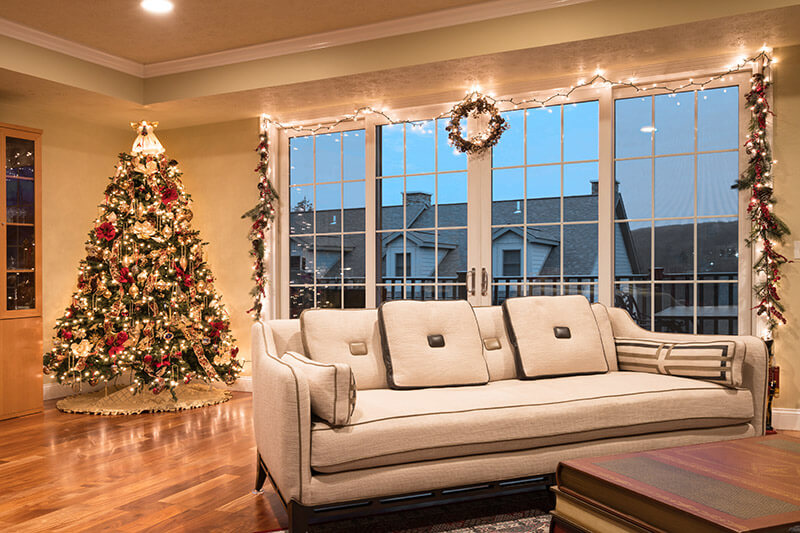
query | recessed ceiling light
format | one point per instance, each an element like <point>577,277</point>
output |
<point>157,6</point>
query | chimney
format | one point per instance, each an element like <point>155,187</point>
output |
<point>595,187</point>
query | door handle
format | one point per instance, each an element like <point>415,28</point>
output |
<point>471,284</point>
<point>484,281</point>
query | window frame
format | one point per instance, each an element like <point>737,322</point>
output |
<point>479,171</point>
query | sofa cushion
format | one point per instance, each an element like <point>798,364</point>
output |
<point>600,312</point>
<point>332,388</point>
<point>431,344</point>
<point>555,336</point>
<point>719,361</point>
<point>348,336</point>
<point>497,349</point>
<point>395,427</point>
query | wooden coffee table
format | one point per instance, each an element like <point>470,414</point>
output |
<point>738,485</point>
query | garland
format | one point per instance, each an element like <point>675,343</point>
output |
<point>475,103</point>
<point>262,216</point>
<point>767,228</point>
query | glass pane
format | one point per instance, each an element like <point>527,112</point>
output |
<point>329,157</point>
<point>674,307</point>
<point>20,291</point>
<point>589,290</point>
<point>353,149</point>
<point>354,258</point>
<point>420,257</point>
<point>633,127</point>
<point>717,308</point>
<point>635,299</point>
<point>451,256</point>
<point>354,206</point>
<point>543,248</point>
<point>715,175</point>
<point>420,147</point>
<point>510,151</point>
<point>550,289</point>
<point>451,292</point>
<point>301,215</point>
<point>390,191</point>
<point>674,123</point>
<point>329,208</point>
<point>674,195</point>
<point>632,251</point>
<point>390,292</point>
<point>300,298</point>
<point>508,193</point>
<point>301,260</point>
<point>391,137</point>
<point>392,254</point>
<point>718,119</point>
<point>19,201</point>
<point>329,297</point>
<point>328,259</point>
<point>20,157</point>
<point>447,157</point>
<point>355,297</point>
<point>544,135</point>
<point>421,292</point>
<point>718,247</point>
<point>500,293</point>
<point>674,249</point>
<point>634,188</point>
<point>544,194</point>
<point>581,123</point>
<point>20,248</point>
<point>420,194</point>
<point>301,160</point>
<point>580,192</point>
<point>580,252</point>
<point>452,199</point>
<point>506,242</point>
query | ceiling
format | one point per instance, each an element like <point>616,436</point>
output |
<point>199,27</point>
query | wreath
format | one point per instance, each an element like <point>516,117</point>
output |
<point>475,104</point>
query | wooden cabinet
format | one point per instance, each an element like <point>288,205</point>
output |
<point>21,266</point>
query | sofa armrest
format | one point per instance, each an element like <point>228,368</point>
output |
<point>754,368</point>
<point>281,417</point>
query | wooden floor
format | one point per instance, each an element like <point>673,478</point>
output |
<point>185,471</point>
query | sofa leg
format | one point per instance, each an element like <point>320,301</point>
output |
<point>261,473</point>
<point>298,517</point>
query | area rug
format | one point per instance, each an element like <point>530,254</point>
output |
<point>125,402</point>
<point>522,513</point>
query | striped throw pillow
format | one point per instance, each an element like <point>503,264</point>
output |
<point>717,361</point>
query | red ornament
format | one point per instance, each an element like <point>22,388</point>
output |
<point>66,334</point>
<point>148,359</point>
<point>219,327</point>
<point>116,343</point>
<point>125,275</point>
<point>168,195</point>
<point>106,231</point>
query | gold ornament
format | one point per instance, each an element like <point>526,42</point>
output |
<point>126,261</point>
<point>144,230</point>
<point>167,231</point>
<point>134,290</point>
<point>142,277</point>
<point>81,349</point>
<point>183,262</point>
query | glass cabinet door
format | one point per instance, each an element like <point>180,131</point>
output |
<point>20,223</point>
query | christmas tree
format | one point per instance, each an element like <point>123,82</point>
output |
<point>145,306</point>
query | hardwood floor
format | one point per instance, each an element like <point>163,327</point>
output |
<point>185,471</point>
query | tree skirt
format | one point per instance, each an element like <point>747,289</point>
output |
<point>125,402</point>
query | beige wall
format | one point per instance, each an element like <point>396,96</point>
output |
<point>786,148</point>
<point>218,162</point>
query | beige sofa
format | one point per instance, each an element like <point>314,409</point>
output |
<point>410,444</point>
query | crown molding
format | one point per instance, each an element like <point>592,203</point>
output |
<point>78,51</point>
<point>390,28</point>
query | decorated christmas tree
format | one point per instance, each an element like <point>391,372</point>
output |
<point>145,308</point>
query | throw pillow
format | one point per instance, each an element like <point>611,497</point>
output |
<point>332,388</point>
<point>718,361</point>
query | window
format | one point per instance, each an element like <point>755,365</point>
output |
<point>512,263</point>
<point>676,253</point>
<point>422,194</point>
<point>326,221</point>
<point>544,201</point>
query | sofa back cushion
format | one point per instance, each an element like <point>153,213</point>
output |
<point>555,336</point>
<point>431,344</point>
<point>497,349</point>
<point>719,361</point>
<point>348,336</point>
<point>606,334</point>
